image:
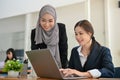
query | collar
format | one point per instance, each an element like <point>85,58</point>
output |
<point>79,51</point>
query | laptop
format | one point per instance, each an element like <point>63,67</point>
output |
<point>45,65</point>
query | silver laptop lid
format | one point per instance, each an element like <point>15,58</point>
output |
<point>44,63</point>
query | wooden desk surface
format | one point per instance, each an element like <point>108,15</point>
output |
<point>3,78</point>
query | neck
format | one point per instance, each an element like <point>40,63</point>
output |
<point>86,48</point>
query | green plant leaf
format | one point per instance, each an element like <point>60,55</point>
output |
<point>13,65</point>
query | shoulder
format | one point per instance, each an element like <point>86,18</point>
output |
<point>103,48</point>
<point>61,24</point>
<point>33,30</point>
<point>74,49</point>
<point>33,33</point>
<point>61,27</point>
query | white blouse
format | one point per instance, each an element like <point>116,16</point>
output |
<point>94,72</point>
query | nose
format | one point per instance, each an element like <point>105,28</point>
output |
<point>78,37</point>
<point>46,23</point>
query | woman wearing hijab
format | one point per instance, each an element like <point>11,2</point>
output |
<point>50,34</point>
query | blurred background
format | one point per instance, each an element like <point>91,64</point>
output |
<point>18,17</point>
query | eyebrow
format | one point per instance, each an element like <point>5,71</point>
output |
<point>48,19</point>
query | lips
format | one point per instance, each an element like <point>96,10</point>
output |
<point>46,28</point>
<point>80,41</point>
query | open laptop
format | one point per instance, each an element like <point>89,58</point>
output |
<point>45,65</point>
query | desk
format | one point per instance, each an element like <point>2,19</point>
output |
<point>55,79</point>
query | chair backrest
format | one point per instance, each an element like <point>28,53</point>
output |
<point>117,72</point>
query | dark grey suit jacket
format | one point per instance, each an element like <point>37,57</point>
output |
<point>99,58</point>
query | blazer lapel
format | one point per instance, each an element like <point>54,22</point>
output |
<point>92,57</point>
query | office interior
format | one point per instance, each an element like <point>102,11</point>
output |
<point>17,18</point>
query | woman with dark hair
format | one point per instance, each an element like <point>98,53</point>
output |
<point>10,54</point>
<point>89,59</point>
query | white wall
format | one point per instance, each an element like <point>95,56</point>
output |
<point>12,32</point>
<point>97,19</point>
<point>13,24</point>
<point>70,15</point>
<point>10,8</point>
<point>114,29</point>
<point>14,40</point>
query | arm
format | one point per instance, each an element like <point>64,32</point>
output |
<point>63,45</point>
<point>99,66</point>
<point>107,69</point>
<point>74,72</point>
<point>104,66</point>
<point>75,66</point>
<point>33,45</point>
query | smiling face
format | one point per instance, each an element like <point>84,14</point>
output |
<point>82,36</point>
<point>10,55</point>
<point>47,22</point>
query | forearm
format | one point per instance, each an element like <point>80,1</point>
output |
<point>73,72</point>
<point>83,74</point>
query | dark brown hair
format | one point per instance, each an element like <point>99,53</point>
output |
<point>87,26</point>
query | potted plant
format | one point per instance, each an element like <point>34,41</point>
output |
<point>13,67</point>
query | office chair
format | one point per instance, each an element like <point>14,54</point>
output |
<point>117,72</point>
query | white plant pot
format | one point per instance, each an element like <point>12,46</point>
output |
<point>13,73</point>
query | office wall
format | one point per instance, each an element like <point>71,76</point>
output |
<point>97,19</point>
<point>114,30</point>
<point>12,32</point>
<point>12,24</point>
<point>19,7</point>
<point>70,15</point>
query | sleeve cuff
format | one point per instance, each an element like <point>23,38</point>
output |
<point>95,73</point>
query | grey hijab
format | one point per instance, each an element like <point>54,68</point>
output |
<point>50,38</point>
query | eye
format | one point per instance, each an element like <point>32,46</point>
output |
<point>81,33</point>
<point>43,20</point>
<point>76,34</point>
<point>51,20</point>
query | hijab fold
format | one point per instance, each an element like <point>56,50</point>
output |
<point>50,38</point>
